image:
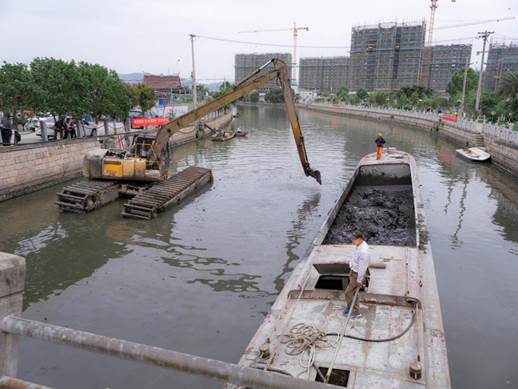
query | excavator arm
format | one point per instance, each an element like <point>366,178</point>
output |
<point>251,82</point>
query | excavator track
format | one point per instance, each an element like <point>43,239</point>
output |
<point>87,195</point>
<point>148,203</point>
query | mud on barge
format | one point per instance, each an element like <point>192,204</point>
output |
<point>399,341</point>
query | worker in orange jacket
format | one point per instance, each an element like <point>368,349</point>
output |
<point>380,141</point>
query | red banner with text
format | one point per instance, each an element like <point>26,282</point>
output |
<point>449,117</point>
<point>146,122</point>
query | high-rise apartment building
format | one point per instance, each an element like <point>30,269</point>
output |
<point>247,63</point>
<point>386,56</point>
<point>502,58</point>
<point>445,61</point>
<point>324,74</point>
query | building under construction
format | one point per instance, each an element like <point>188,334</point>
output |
<point>445,61</point>
<point>502,58</point>
<point>386,56</point>
<point>324,74</point>
<point>246,63</point>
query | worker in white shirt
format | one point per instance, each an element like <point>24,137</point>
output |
<point>358,265</point>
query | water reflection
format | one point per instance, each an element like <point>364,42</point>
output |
<point>307,209</point>
<point>455,242</point>
<point>213,265</point>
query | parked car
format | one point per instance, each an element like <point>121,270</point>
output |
<point>49,124</point>
<point>32,124</point>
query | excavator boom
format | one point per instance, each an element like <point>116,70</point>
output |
<point>251,82</point>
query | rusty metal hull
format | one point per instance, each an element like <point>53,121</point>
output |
<point>148,203</point>
<point>399,342</point>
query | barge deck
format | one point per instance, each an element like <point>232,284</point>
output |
<point>399,341</point>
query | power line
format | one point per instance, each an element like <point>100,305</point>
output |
<point>268,44</point>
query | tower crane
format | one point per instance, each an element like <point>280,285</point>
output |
<point>295,30</point>
<point>433,8</point>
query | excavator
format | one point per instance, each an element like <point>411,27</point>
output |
<point>143,170</point>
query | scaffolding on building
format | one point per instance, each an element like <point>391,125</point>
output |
<point>387,56</point>
<point>502,58</point>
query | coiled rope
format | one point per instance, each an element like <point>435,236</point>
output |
<point>303,337</point>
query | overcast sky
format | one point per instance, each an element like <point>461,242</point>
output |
<point>152,35</point>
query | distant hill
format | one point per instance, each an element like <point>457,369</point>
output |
<point>132,77</point>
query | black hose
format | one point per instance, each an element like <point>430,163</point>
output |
<point>412,321</point>
<point>262,366</point>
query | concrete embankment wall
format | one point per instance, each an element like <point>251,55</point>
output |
<point>27,168</point>
<point>31,167</point>
<point>503,154</point>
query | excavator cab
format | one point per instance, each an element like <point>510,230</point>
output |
<point>135,164</point>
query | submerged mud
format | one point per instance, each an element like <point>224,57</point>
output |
<point>384,214</point>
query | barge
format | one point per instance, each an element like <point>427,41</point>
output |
<point>399,341</point>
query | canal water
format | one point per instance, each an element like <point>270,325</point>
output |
<point>201,277</point>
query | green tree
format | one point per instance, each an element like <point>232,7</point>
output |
<point>488,103</point>
<point>105,93</point>
<point>61,86</point>
<point>508,86</point>
<point>343,93</point>
<point>378,98</point>
<point>223,88</point>
<point>254,96</point>
<point>142,96</point>
<point>274,96</point>
<point>16,88</point>
<point>362,93</point>
<point>454,87</point>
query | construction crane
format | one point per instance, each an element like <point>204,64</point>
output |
<point>295,30</point>
<point>433,8</point>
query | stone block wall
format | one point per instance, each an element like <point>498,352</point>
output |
<point>27,168</point>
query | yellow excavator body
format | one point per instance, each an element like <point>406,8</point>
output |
<point>98,165</point>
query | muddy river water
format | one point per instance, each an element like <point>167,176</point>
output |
<point>201,277</point>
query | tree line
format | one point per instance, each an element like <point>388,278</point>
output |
<point>68,88</point>
<point>498,107</point>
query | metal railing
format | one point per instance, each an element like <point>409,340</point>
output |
<point>502,134</point>
<point>12,326</point>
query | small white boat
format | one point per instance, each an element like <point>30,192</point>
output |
<point>474,154</point>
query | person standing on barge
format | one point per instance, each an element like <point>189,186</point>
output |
<point>380,141</point>
<point>358,268</point>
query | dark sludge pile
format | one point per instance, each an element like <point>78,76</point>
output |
<point>384,214</point>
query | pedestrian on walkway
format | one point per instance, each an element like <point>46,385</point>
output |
<point>380,141</point>
<point>60,128</point>
<point>6,129</point>
<point>358,268</point>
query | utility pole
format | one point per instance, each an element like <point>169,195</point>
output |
<point>193,73</point>
<point>462,102</point>
<point>484,35</point>
<point>294,60</point>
